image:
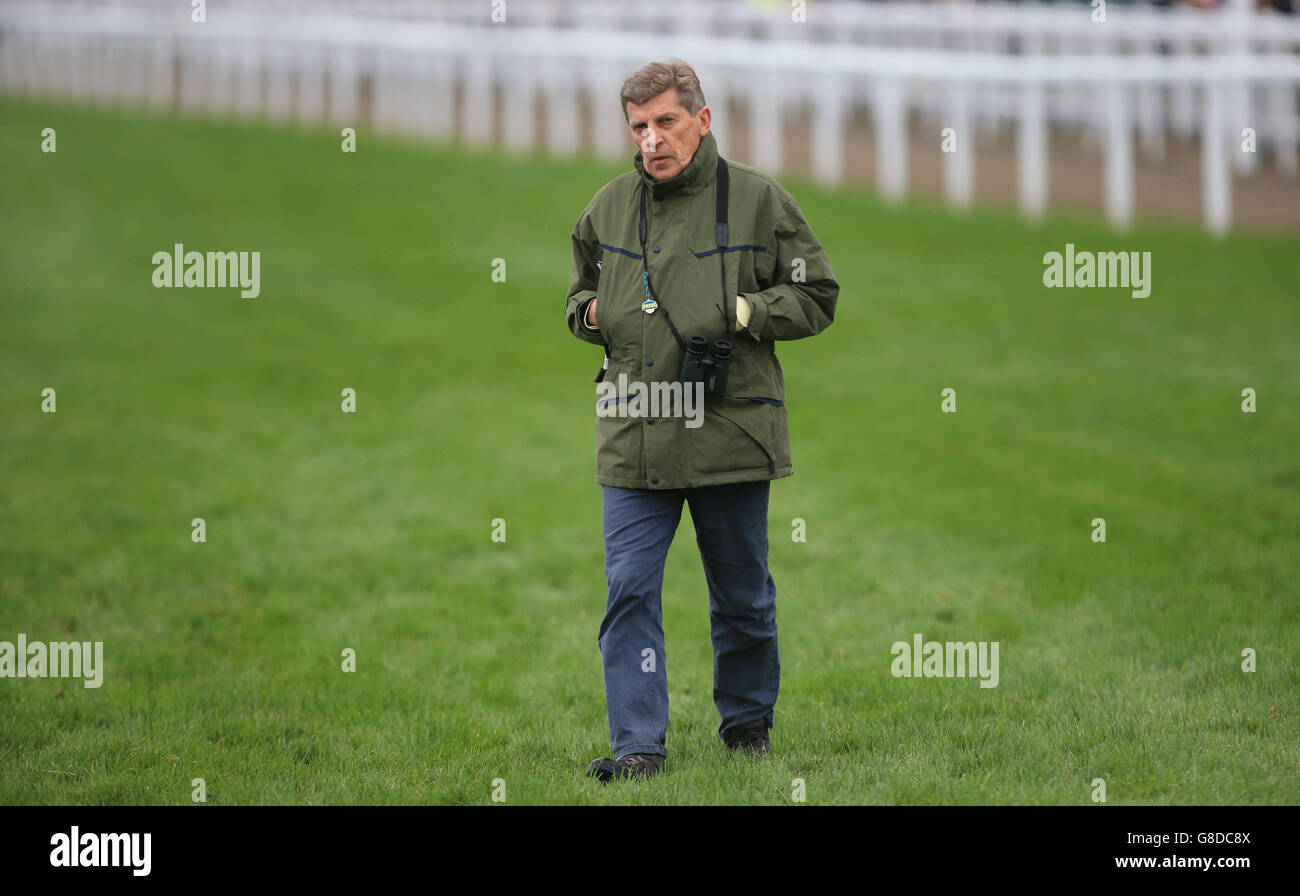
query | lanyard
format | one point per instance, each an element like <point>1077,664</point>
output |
<point>722,235</point>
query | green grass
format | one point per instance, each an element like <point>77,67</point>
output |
<point>478,660</point>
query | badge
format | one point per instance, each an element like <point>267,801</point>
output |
<point>649,306</point>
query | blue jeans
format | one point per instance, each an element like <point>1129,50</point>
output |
<point>731,531</point>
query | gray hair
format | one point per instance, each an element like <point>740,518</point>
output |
<point>653,79</point>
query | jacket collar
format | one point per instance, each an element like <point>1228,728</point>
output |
<point>697,175</point>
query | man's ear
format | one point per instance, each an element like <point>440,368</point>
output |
<point>705,116</point>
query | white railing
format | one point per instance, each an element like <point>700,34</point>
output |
<point>402,73</point>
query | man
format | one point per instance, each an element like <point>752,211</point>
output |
<point>685,247</point>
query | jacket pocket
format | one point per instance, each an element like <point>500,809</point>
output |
<point>754,375</point>
<point>737,434</point>
<point>748,265</point>
<point>618,289</point>
<point>618,445</point>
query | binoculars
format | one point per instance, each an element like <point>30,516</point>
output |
<point>707,363</point>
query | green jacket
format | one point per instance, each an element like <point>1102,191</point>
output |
<point>773,259</point>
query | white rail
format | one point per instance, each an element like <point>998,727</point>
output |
<point>328,63</point>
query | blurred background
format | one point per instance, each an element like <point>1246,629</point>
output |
<point>482,130</point>
<point>1124,109</point>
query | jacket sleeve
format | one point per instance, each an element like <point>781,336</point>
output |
<point>801,300</point>
<point>582,281</point>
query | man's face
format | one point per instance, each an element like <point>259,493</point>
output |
<point>666,133</point>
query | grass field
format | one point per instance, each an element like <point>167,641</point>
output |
<point>478,660</point>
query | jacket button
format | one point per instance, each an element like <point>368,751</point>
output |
<point>650,420</point>
<point>656,249</point>
<point>654,480</point>
<point>649,362</point>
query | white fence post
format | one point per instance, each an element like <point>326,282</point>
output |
<point>1119,156</point>
<point>1215,172</point>
<point>519,126</point>
<point>828,131</point>
<point>1031,151</point>
<point>1285,135</point>
<point>959,165</point>
<point>766,133</point>
<point>891,138</point>
<point>479,101</point>
<point>609,127</point>
<point>561,107</point>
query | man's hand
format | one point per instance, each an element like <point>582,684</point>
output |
<point>591,314</point>
<point>742,313</point>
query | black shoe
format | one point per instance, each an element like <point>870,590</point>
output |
<point>748,738</point>
<point>633,765</point>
